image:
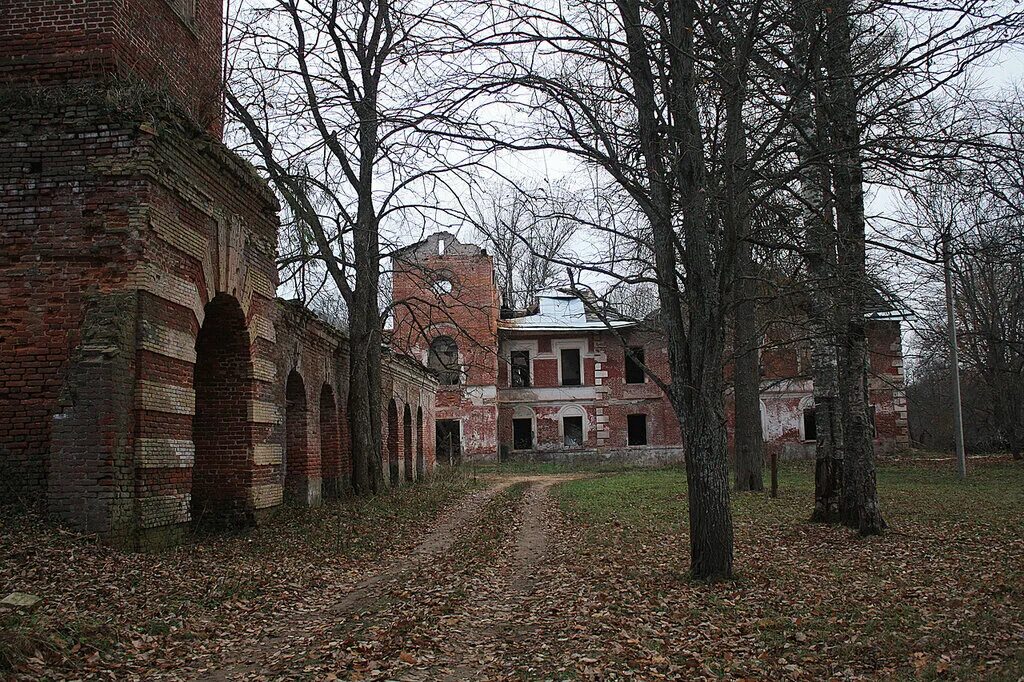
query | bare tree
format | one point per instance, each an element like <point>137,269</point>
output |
<point>618,86</point>
<point>527,231</point>
<point>345,106</point>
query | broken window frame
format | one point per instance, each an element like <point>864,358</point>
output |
<point>519,373</point>
<point>809,424</point>
<point>448,368</point>
<point>573,442</point>
<point>517,443</point>
<point>633,368</point>
<point>563,365</point>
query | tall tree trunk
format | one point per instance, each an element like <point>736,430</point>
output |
<point>820,258</point>
<point>748,437</point>
<point>707,275</point>
<point>365,322</point>
<point>695,348</point>
<point>364,398</point>
<point>859,502</point>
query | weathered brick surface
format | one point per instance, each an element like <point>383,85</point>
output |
<point>468,314</point>
<point>605,400</point>
<point>60,41</point>
<point>144,361</point>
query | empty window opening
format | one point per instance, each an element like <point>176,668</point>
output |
<point>810,425</point>
<point>572,430</point>
<point>634,372</point>
<point>520,368</point>
<point>572,371</point>
<point>330,444</point>
<point>871,421</point>
<point>440,247</point>
<point>636,429</point>
<point>444,359</point>
<point>393,442</point>
<point>522,434</point>
<point>449,441</point>
<point>298,462</point>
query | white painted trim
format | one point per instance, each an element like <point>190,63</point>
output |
<point>531,348</point>
<point>572,411</point>
<point>525,412</point>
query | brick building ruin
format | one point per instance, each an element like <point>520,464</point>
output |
<point>149,377</point>
<point>555,382</point>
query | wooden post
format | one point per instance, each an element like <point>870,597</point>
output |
<point>775,473</point>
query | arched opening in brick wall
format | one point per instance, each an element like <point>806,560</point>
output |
<point>407,437</point>
<point>330,444</point>
<point>421,465</point>
<point>221,431</point>
<point>296,441</point>
<point>393,442</point>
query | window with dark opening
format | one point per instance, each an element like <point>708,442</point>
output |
<point>572,430</point>
<point>572,370</point>
<point>522,434</point>
<point>636,429</point>
<point>810,425</point>
<point>634,372</point>
<point>520,368</point>
<point>444,359</point>
<point>448,438</point>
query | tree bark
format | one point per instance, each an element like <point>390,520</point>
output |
<point>820,258</point>
<point>859,501</point>
<point>692,318</point>
<point>704,430</point>
<point>748,436</point>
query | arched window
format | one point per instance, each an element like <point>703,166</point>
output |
<point>572,426</point>
<point>808,420</point>
<point>444,359</point>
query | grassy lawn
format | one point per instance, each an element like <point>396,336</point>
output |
<point>104,609</point>
<point>940,595</point>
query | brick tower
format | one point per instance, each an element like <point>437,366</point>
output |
<point>446,315</point>
<point>138,381</point>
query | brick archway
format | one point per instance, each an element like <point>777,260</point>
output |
<point>297,464</point>
<point>330,444</point>
<point>221,432</point>
<point>393,442</point>
<point>421,468</point>
<point>407,437</point>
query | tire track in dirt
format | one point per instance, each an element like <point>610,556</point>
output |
<point>489,616</point>
<point>251,661</point>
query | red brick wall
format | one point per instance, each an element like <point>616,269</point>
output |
<point>606,399</point>
<point>59,41</point>
<point>317,355</point>
<point>469,315</point>
<point>66,244</point>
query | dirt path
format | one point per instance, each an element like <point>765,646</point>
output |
<point>452,594</point>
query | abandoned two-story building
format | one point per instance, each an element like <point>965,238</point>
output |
<point>560,381</point>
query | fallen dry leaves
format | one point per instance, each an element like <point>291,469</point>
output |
<point>582,581</point>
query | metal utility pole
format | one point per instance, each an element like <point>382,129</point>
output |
<point>954,362</point>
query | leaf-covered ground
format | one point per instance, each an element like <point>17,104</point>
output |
<point>544,577</point>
